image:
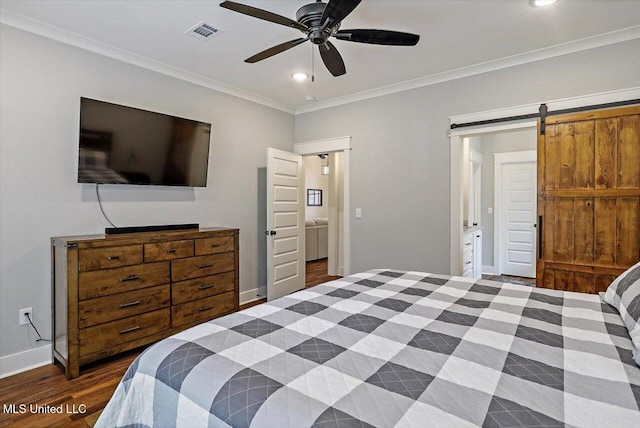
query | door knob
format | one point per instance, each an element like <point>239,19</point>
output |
<point>269,232</point>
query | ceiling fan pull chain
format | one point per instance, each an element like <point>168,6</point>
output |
<point>313,67</point>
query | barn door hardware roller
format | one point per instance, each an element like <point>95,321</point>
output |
<point>543,118</point>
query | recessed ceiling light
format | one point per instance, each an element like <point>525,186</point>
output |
<point>300,76</point>
<point>542,3</point>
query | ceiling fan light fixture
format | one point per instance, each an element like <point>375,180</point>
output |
<point>300,76</point>
<point>320,21</point>
<point>543,3</point>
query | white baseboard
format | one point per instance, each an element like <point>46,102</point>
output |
<point>25,360</point>
<point>253,295</point>
<point>489,270</point>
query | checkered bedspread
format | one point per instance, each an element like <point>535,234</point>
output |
<point>389,348</point>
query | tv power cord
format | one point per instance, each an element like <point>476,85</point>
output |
<point>39,339</point>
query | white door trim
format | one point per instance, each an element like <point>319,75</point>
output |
<point>322,146</point>
<point>500,160</point>
<point>339,144</point>
<point>455,201</point>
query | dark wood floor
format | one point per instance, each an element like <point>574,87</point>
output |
<point>93,388</point>
<point>511,279</point>
<point>316,273</point>
<point>47,386</point>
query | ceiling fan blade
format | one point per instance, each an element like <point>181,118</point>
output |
<point>332,59</point>
<point>275,50</point>
<point>263,14</point>
<point>378,37</point>
<point>337,10</point>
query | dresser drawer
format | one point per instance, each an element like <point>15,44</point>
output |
<point>214,245</point>
<point>202,310</point>
<point>194,289</point>
<point>168,250</point>
<point>467,239</point>
<point>104,336</point>
<point>111,281</point>
<point>196,267</point>
<point>467,254</point>
<point>122,305</point>
<point>110,257</point>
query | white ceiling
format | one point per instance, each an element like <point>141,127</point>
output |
<point>457,36</point>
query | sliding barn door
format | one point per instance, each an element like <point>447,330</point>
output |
<point>588,198</point>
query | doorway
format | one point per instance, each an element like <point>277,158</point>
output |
<point>498,204</point>
<point>516,117</point>
<point>323,187</point>
<point>337,153</point>
<point>285,216</point>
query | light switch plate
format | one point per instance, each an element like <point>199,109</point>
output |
<point>358,212</point>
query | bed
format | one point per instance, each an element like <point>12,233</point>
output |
<point>392,348</point>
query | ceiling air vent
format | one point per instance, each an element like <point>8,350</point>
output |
<point>202,31</point>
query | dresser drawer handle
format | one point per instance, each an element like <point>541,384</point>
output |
<point>205,287</point>
<point>171,251</point>
<point>208,265</point>
<point>215,245</point>
<point>467,263</point>
<point>112,258</point>
<point>468,243</point>
<point>130,278</point>
<point>206,308</point>
<point>126,305</point>
<point>129,330</point>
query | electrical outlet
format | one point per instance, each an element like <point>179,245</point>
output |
<point>23,315</point>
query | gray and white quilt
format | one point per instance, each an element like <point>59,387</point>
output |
<point>390,348</point>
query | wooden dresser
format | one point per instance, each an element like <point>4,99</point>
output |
<point>112,293</point>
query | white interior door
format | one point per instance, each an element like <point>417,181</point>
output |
<point>285,223</point>
<point>518,234</point>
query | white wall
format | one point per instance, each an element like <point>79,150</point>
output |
<point>315,180</point>
<point>41,82</point>
<point>400,158</point>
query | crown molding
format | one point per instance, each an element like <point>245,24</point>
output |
<point>92,45</point>
<point>52,32</point>
<point>618,36</point>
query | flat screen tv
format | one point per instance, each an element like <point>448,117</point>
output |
<point>126,145</point>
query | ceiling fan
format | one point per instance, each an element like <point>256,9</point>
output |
<point>320,21</point>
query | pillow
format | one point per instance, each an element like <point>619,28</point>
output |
<point>624,295</point>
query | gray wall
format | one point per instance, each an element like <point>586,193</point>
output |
<point>41,82</point>
<point>400,168</point>
<point>490,144</point>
